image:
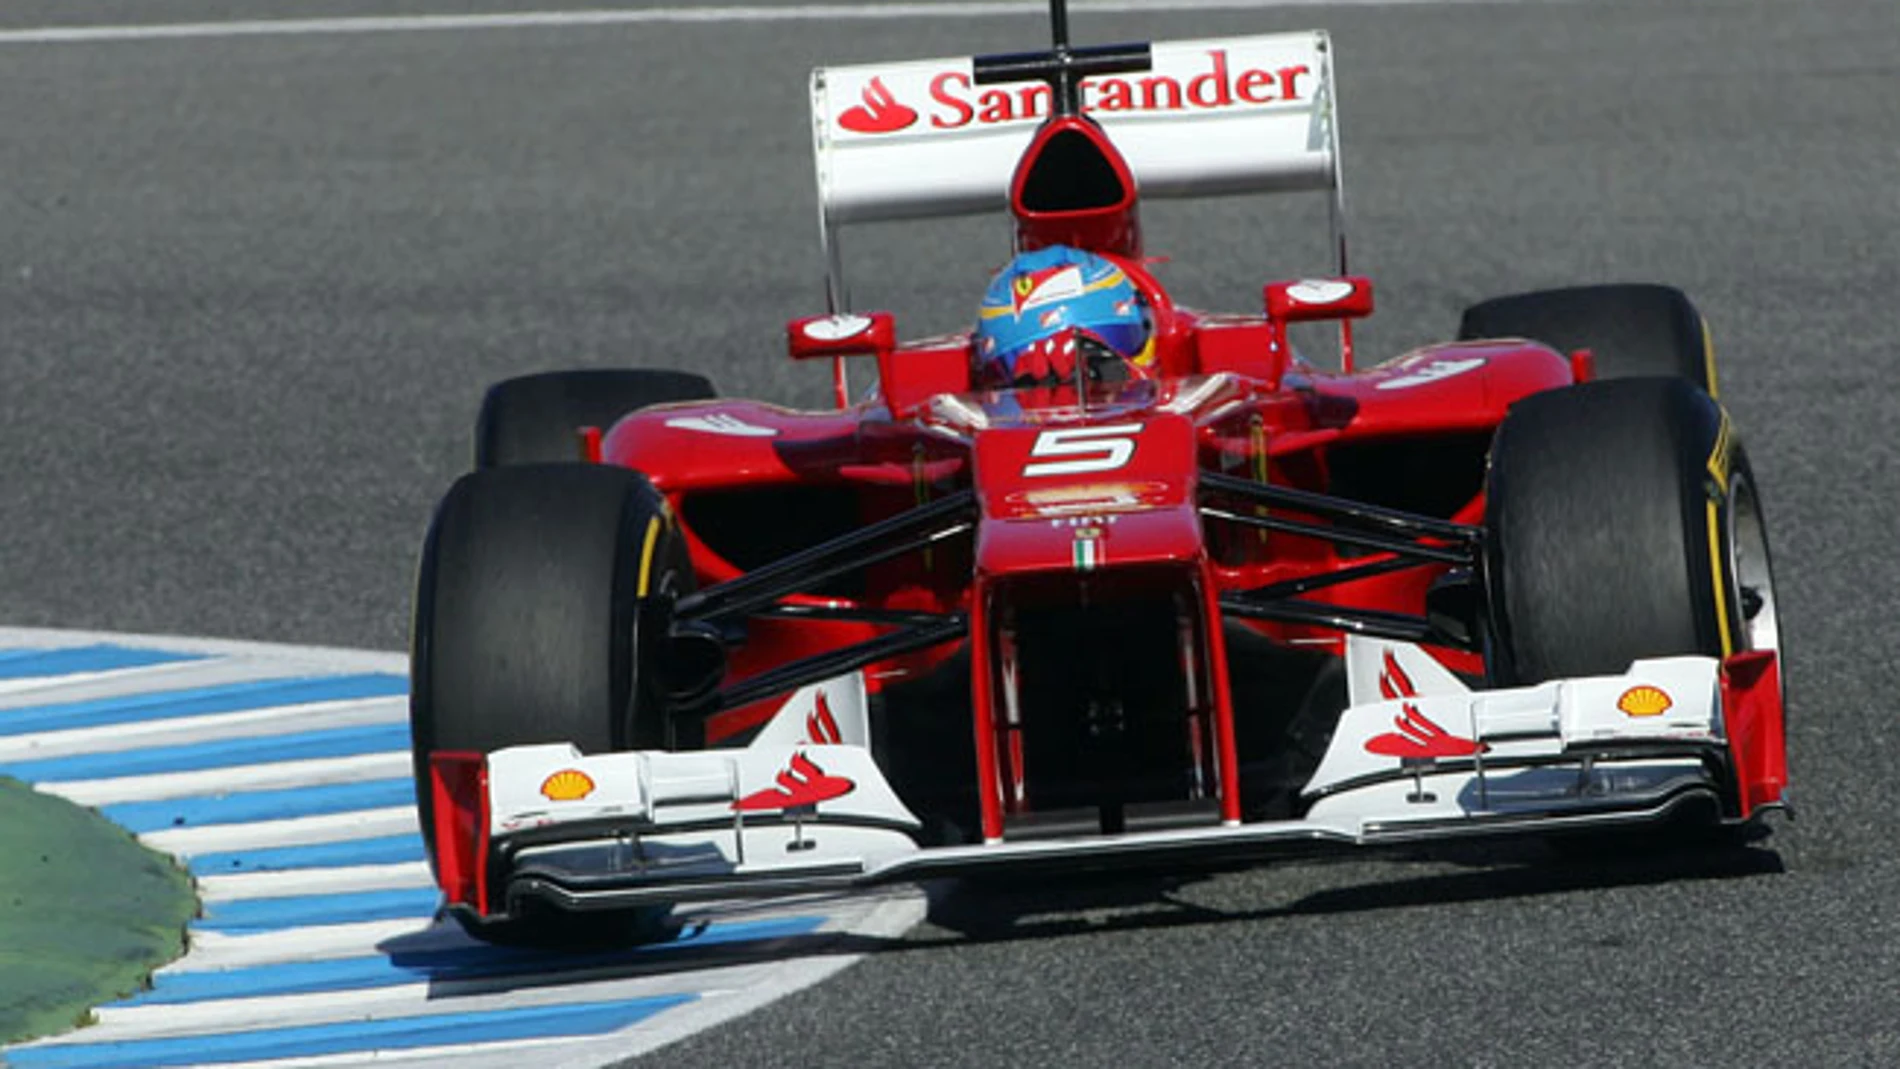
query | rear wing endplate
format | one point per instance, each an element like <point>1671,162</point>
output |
<point>1217,116</point>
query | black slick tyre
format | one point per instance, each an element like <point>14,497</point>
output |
<point>1621,522</point>
<point>536,589</point>
<point>534,419</point>
<point>1631,329</point>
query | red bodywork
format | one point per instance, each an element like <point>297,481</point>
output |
<point>1086,499</point>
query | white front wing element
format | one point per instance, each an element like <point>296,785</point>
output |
<point>1418,750</point>
<point>542,786</point>
<point>535,786</point>
<point>1229,115</point>
<point>612,830</point>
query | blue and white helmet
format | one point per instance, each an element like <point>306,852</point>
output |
<point>1053,306</point>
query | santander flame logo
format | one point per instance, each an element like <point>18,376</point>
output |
<point>1417,737</point>
<point>804,783</point>
<point>879,114</point>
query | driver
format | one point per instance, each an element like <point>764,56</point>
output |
<point>1058,314</point>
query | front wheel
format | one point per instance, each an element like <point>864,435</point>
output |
<point>1622,521</point>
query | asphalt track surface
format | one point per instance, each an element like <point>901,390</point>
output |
<point>251,289</point>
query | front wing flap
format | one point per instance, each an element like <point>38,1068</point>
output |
<point>618,830</point>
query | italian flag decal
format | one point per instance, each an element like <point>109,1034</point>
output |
<point>1088,549</point>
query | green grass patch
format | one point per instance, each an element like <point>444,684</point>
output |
<point>86,912</point>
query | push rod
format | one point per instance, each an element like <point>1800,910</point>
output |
<point>824,666</point>
<point>906,531</point>
<point>1364,539</point>
<point>1374,623</point>
<point>1341,509</point>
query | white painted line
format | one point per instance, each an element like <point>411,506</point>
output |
<point>634,974</point>
<point>327,658</point>
<point>661,15</point>
<point>296,831</point>
<point>211,727</point>
<point>282,774</point>
<point>293,1011</point>
<point>177,675</point>
<point>217,950</point>
<point>31,690</point>
<point>503,1054</point>
<point>296,883</point>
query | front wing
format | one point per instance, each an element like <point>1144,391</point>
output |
<point>1670,738</point>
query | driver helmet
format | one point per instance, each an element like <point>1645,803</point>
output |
<point>1053,309</point>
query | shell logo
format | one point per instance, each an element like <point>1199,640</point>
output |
<point>1644,701</point>
<point>567,785</point>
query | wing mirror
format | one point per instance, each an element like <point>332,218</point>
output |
<point>848,334</point>
<point>1319,298</point>
<point>839,336</point>
<point>1345,299</point>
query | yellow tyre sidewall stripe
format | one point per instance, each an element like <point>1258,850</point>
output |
<point>646,555</point>
<point>1708,357</point>
<point>1718,467</point>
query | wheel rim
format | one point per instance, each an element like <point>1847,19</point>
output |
<point>1749,564</point>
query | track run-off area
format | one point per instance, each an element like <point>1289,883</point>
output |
<point>255,282</point>
<point>279,777</point>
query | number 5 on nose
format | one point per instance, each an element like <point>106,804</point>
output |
<point>1090,449</point>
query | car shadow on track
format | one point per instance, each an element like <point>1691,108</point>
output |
<point>1005,911</point>
<point>457,966</point>
<point>1054,905</point>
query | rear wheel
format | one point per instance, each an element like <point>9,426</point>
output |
<point>534,419</point>
<point>1631,329</point>
<point>538,589</point>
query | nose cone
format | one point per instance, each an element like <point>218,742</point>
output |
<point>1087,495</point>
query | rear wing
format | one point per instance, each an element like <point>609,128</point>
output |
<point>1217,116</point>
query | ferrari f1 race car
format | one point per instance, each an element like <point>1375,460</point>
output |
<point>1105,580</point>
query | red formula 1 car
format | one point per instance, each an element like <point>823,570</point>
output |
<point>1211,600</point>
